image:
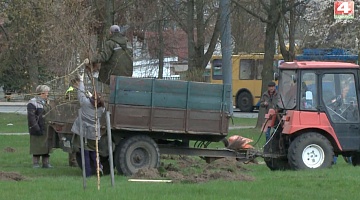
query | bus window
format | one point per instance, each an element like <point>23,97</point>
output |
<point>246,76</point>
<point>246,68</point>
<point>260,66</point>
<point>217,69</point>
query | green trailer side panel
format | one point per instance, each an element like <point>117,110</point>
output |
<point>170,94</point>
<point>131,91</point>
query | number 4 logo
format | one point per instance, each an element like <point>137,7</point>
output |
<point>344,9</point>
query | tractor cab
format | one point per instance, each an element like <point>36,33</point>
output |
<point>318,115</point>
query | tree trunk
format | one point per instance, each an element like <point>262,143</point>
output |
<point>292,31</point>
<point>160,48</point>
<point>270,46</point>
<point>197,59</point>
<point>200,33</point>
<point>190,35</point>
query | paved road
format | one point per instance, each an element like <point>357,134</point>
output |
<point>246,115</point>
<point>239,114</point>
<point>13,107</point>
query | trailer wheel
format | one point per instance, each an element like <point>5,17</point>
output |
<point>116,157</point>
<point>310,151</point>
<point>245,102</point>
<point>136,152</point>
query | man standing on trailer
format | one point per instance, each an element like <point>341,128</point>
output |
<point>116,56</point>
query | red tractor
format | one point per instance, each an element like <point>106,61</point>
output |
<point>317,116</point>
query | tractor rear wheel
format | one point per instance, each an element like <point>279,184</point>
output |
<point>355,159</point>
<point>136,152</point>
<point>310,151</point>
<point>274,164</point>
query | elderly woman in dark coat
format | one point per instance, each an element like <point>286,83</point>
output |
<point>89,128</point>
<point>40,146</point>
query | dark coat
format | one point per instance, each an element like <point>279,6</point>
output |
<point>39,140</point>
<point>272,100</point>
<point>115,58</point>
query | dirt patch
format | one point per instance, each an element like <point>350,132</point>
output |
<point>191,170</point>
<point>11,176</point>
<point>9,150</point>
<point>147,174</point>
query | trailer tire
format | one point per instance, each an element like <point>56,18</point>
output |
<point>310,151</point>
<point>245,102</point>
<point>136,152</point>
<point>116,157</point>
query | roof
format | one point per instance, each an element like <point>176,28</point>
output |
<point>328,57</point>
<point>317,65</point>
<point>257,56</point>
<point>175,43</point>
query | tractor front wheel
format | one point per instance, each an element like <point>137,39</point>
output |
<point>310,151</point>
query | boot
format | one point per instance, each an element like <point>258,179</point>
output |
<point>36,160</point>
<point>46,162</point>
<point>72,160</point>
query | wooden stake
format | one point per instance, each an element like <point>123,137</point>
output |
<point>96,131</point>
<point>149,180</point>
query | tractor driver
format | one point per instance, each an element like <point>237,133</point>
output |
<point>349,101</point>
<point>345,105</point>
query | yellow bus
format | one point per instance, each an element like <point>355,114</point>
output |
<point>246,78</point>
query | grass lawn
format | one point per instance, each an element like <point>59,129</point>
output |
<point>63,182</point>
<point>242,121</point>
<point>13,123</point>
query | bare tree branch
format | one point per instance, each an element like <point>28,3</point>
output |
<point>265,6</point>
<point>175,16</point>
<point>3,29</point>
<point>213,42</point>
<point>251,12</point>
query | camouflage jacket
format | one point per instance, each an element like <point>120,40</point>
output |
<point>115,58</point>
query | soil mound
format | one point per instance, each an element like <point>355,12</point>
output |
<point>191,170</point>
<point>9,150</point>
<point>11,176</point>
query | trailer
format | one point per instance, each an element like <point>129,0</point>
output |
<point>150,117</point>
